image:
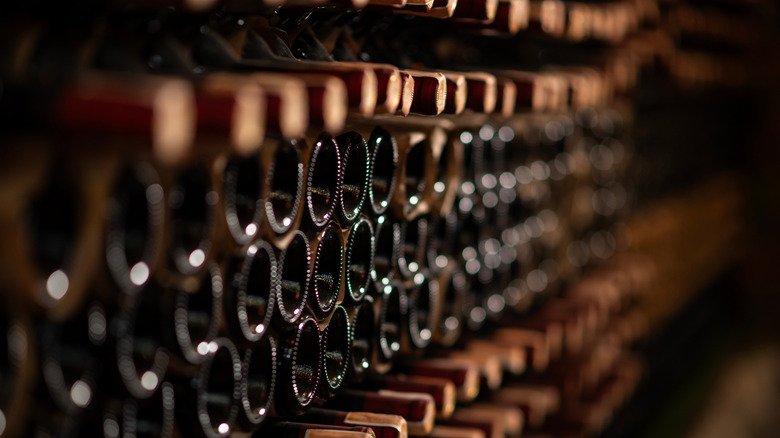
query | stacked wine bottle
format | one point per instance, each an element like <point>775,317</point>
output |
<point>240,288</point>
<point>253,220</point>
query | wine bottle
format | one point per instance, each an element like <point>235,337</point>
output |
<point>230,107</point>
<point>430,93</point>
<point>477,10</point>
<point>166,123</point>
<point>579,21</point>
<point>208,403</point>
<point>438,9</point>
<point>354,173</point>
<point>391,317</point>
<point>383,425</point>
<point>389,85</point>
<point>482,91</point>
<point>511,418</point>
<point>250,291</point>
<point>388,246</point>
<point>506,91</point>
<point>191,205</point>
<point>153,417</point>
<point>490,368</point>
<point>213,51</point>
<point>551,331</point>
<point>258,382</point>
<point>529,86</point>
<point>511,16</point>
<point>288,429</point>
<point>442,241</point>
<point>536,402</point>
<point>282,187</point>
<point>464,374</point>
<point>241,203</point>
<point>548,17</point>
<point>513,359</point>
<point>195,316</point>
<point>134,226</point>
<point>414,170</point>
<point>414,236</point>
<point>472,163</point>
<point>118,416</point>
<point>287,104</point>
<point>419,410</point>
<point>50,254</point>
<point>294,278</point>
<point>328,101</point>
<point>363,334</point>
<point>326,277</point>
<point>337,349</point>
<point>423,310</point>
<point>441,389</point>
<point>491,427</point>
<point>452,286</point>
<point>359,258</point>
<point>579,320</point>
<point>407,93</point>
<point>73,367</point>
<point>456,92</point>
<point>140,357</point>
<point>435,241</point>
<point>298,367</point>
<point>323,181</point>
<point>384,161</point>
<point>420,6</point>
<point>385,93</point>
<point>448,159</point>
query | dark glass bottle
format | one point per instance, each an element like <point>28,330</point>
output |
<point>194,317</point>
<point>337,349</point>
<point>258,383</point>
<point>251,288</point>
<point>326,277</point>
<point>134,226</point>
<point>452,289</point>
<point>283,184</point>
<point>298,365</point>
<point>415,164</point>
<point>208,402</point>
<point>355,161</point>
<point>359,258</point>
<point>142,360</point>
<point>72,368</point>
<point>363,335</point>
<point>294,277</point>
<point>391,318</point>
<point>323,181</point>
<point>388,247</point>
<point>242,206</point>
<point>414,236</point>
<point>423,309</point>
<point>192,207</point>
<point>384,161</point>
